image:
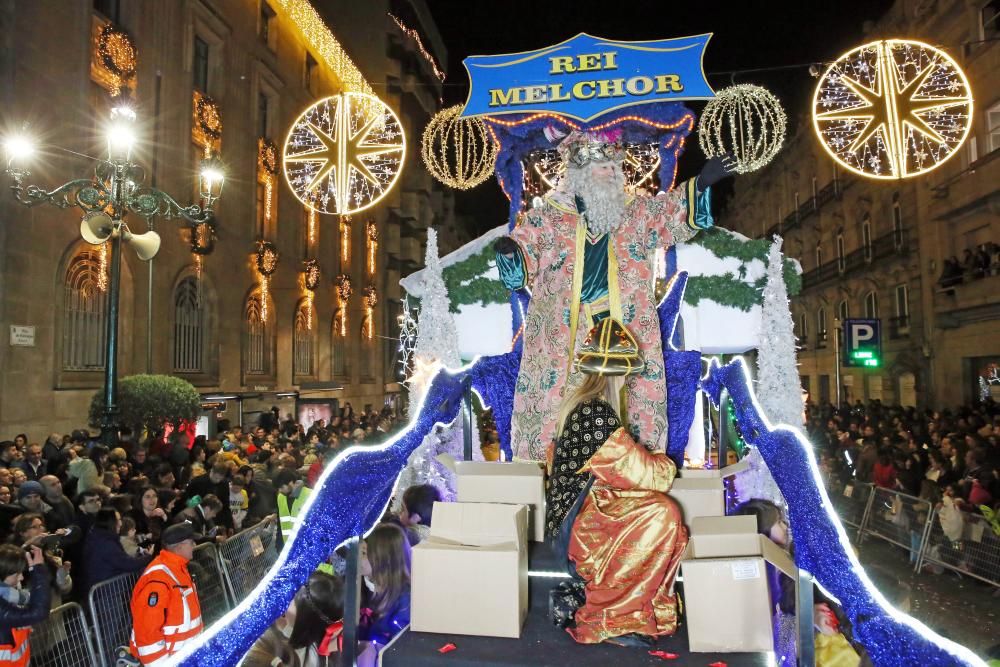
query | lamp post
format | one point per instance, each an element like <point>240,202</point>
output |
<point>106,199</point>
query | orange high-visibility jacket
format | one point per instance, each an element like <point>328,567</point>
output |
<point>18,654</point>
<point>166,614</point>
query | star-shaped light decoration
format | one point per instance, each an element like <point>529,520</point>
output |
<point>892,109</point>
<point>344,153</point>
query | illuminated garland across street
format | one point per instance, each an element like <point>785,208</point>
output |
<point>415,36</point>
<point>344,153</point>
<point>892,109</point>
<point>746,121</point>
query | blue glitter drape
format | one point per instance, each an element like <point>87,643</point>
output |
<point>348,500</point>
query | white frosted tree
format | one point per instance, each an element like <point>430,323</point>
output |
<point>778,387</point>
<point>436,346</point>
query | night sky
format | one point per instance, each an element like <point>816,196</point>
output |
<point>747,35</point>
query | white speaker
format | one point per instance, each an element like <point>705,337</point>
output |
<point>96,227</point>
<point>146,245</point>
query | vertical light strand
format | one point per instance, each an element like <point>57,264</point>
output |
<point>309,310</point>
<point>264,292</point>
<point>102,275</point>
<point>312,219</point>
<point>345,243</point>
<point>268,196</point>
<point>372,246</point>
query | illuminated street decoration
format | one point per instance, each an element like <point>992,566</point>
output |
<point>344,153</point>
<point>372,246</point>
<point>459,152</point>
<point>892,109</point>
<point>745,121</point>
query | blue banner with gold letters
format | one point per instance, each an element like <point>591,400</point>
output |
<point>587,76</point>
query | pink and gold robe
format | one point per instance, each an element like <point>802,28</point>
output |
<point>551,240</point>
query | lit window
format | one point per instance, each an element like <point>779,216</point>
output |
<point>84,315</point>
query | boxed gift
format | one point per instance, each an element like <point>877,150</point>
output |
<point>698,497</point>
<point>470,577</point>
<point>517,483</point>
<point>726,559</point>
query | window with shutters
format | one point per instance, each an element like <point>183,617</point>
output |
<point>190,327</point>
<point>84,312</point>
<point>304,342</point>
<point>258,339</point>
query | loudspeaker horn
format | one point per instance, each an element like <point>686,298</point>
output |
<point>96,227</point>
<point>146,245</point>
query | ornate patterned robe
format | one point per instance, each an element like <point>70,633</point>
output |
<point>551,239</point>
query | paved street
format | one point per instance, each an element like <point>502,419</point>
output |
<point>960,608</point>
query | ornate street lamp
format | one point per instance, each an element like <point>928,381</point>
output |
<point>106,199</point>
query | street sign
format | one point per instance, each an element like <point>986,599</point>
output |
<point>862,343</point>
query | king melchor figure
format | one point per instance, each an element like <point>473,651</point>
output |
<point>587,253</point>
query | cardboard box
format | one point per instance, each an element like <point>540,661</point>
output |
<point>470,577</point>
<point>714,473</point>
<point>698,497</point>
<point>517,483</point>
<point>727,560</point>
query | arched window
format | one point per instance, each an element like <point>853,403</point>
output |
<point>190,327</point>
<point>866,237</point>
<point>841,254</point>
<point>819,256</point>
<point>821,322</point>
<point>844,310</point>
<point>85,301</point>
<point>304,341</point>
<point>871,305</point>
<point>339,343</point>
<point>258,340</point>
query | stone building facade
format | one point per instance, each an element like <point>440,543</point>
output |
<point>875,248</point>
<point>204,318</point>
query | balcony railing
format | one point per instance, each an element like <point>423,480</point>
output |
<point>821,340</point>
<point>895,243</point>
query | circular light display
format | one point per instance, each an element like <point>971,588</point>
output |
<point>892,109</point>
<point>344,153</point>
<point>746,121</point>
<point>459,152</point>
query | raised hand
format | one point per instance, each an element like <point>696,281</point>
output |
<point>716,169</point>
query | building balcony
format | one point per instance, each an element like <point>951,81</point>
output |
<point>893,244</point>
<point>967,302</point>
<point>899,327</point>
<point>831,191</point>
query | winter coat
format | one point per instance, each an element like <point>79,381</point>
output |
<point>36,611</point>
<point>105,558</point>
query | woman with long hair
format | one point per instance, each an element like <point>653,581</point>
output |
<point>88,470</point>
<point>150,518</point>
<point>308,633</point>
<point>385,564</point>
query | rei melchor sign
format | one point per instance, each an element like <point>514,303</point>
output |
<point>587,76</point>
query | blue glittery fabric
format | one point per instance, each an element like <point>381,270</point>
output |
<point>494,378</point>
<point>348,499</point>
<point>821,546</point>
<point>683,370</point>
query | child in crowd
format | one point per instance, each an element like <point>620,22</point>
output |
<point>415,515</point>
<point>239,502</point>
<point>308,633</point>
<point>833,645</point>
<point>20,609</point>
<point>127,536</point>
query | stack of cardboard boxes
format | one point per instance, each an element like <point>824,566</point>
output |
<point>470,577</point>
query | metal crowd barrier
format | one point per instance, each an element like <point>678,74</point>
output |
<point>960,541</point>
<point>62,640</point>
<point>247,556</point>
<point>208,581</point>
<point>899,519</point>
<point>108,604</point>
<point>971,548</point>
<point>853,504</point>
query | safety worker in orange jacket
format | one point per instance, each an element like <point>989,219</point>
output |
<point>166,614</point>
<point>16,619</point>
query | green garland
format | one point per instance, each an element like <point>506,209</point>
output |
<point>467,284</point>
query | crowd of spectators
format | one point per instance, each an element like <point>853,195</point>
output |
<point>950,456</point>
<point>94,513</point>
<point>978,263</point>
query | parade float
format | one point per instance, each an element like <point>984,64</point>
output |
<point>700,292</point>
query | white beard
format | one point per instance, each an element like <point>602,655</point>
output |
<point>604,201</point>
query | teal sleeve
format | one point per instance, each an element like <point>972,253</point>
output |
<point>699,206</point>
<point>511,268</point>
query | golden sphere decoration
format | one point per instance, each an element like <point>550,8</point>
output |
<point>892,109</point>
<point>459,152</point>
<point>344,153</point>
<point>746,121</point>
